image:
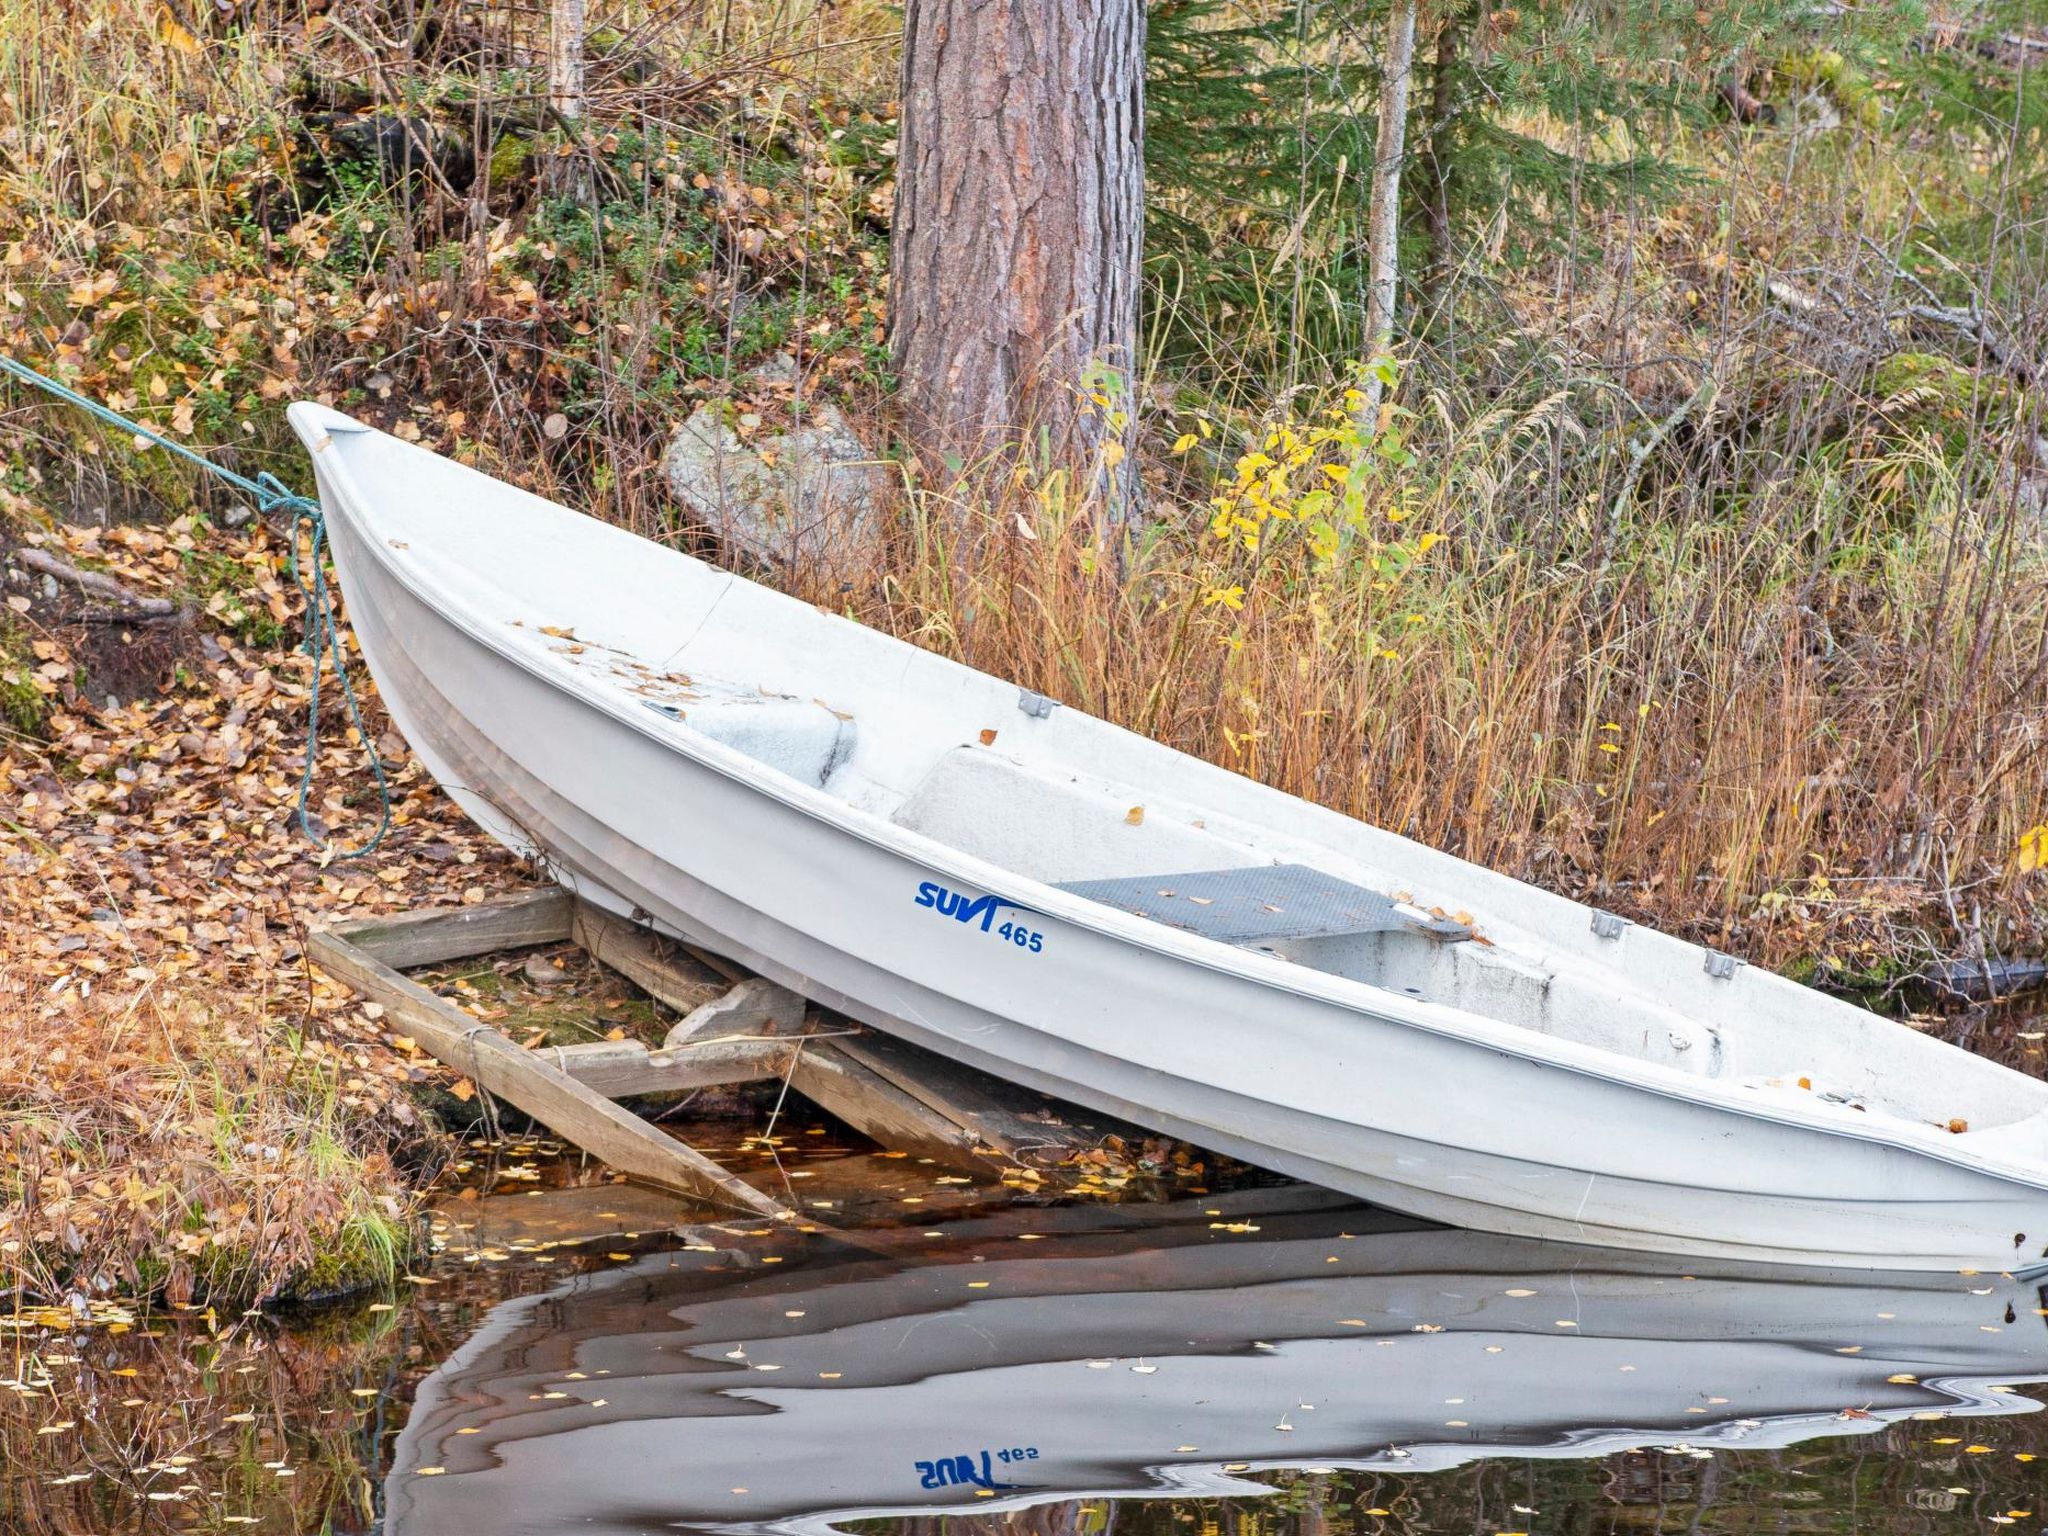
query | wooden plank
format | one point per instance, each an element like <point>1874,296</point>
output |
<point>757,1006</point>
<point>878,1109</point>
<point>535,1084</point>
<point>454,933</point>
<point>985,1107</point>
<point>545,1217</point>
<point>731,970</point>
<point>621,1067</point>
<point>643,960</point>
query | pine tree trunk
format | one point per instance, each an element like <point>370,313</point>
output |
<point>1383,219</point>
<point>1018,230</point>
<point>565,174</point>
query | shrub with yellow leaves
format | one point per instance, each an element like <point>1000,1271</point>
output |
<point>1324,499</point>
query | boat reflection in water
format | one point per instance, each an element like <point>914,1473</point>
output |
<point>1035,1355</point>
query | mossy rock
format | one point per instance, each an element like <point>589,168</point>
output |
<point>368,1252</point>
<point>1826,70</point>
<point>511,159</point>
<point>1927,393</point>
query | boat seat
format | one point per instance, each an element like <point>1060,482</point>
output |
<point>803,738</point>
<point>1265,904</point>
<point>1053,823</point>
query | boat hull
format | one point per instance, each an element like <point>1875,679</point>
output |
<point>1451,1129</point>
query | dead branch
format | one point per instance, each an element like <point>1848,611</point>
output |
<point>97,584</point>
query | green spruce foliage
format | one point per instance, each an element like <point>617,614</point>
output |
<point>1260,146</point>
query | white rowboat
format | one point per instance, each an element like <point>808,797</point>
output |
<point>1070,906</point>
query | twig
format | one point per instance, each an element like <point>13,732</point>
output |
<point>97,584</point>
<point>1639,452</point>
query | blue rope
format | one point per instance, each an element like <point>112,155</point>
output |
<point>323,633</point>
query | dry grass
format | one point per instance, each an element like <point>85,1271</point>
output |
<point>1717,719</point>
<point>180,1145</point>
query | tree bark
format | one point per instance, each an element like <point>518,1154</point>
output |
<point>1383,218</point>
<point>1436,149</point>
<point>1018,233</point>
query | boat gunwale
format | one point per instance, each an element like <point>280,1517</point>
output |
<point>1438,1019</point>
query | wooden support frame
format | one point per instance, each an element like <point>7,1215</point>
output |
<point>733,1031</point>
<point>538,1082</point>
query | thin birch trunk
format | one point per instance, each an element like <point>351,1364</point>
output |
<point>565,173</point>
<point>1383,222</point>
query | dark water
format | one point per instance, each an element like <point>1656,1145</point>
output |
<point>586,1357</point>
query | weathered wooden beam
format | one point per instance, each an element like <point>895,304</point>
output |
<point>438,934</point>
<point>755,1006</point>
<point>838,1084</point>
<point>985,1108</point>
<point>638,956</point>
<point>533,1082</point>
<point>546,1216</point>
<point>616,1068</point>
<point>731,970</point>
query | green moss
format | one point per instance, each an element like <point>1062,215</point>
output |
<point>367,1252</point>
<point>1934,396</point>
<point>1826,70</point>
<point>511,159</point>
<point>210,576</point>
<point>23,706</point>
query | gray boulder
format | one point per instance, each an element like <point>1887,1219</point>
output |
<point>812,494</point>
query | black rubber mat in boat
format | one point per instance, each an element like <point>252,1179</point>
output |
<point>1264,904</point>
